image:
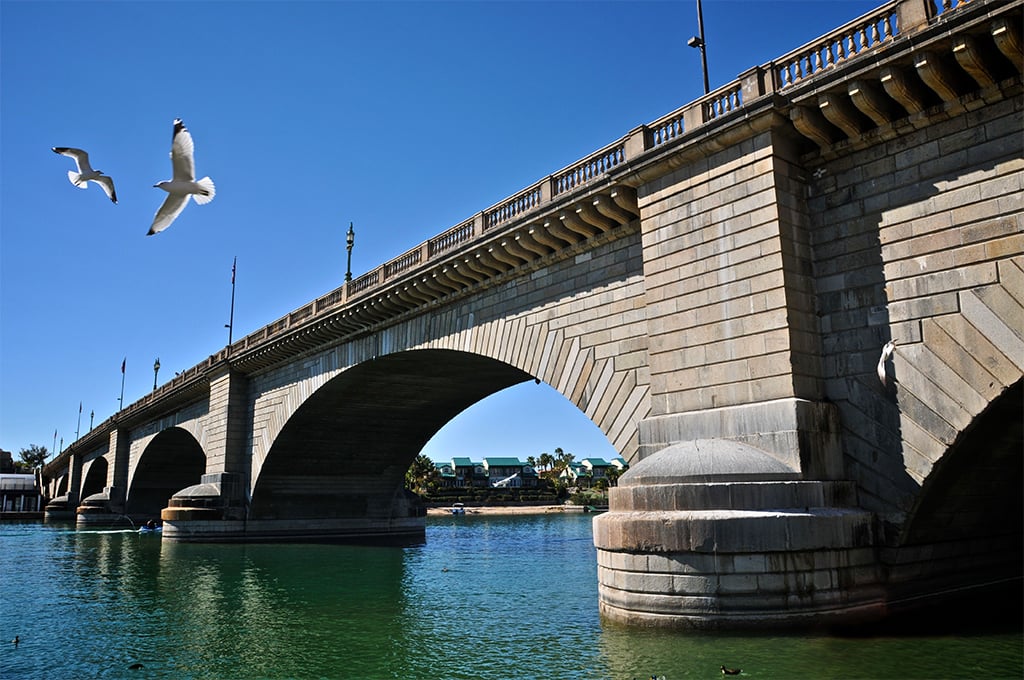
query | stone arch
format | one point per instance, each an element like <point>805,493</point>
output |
<point>343,453</point>
<point>94,480</point>
<point>973,493</point>
<point>172,460</point>
<point>961,364</point>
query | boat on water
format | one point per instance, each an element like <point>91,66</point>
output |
<point>457,509</point>
<point>150,527</point>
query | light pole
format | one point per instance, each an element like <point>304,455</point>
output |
<point>350,239</point>
<point>156,369</point>
<point>92,414</point>
<point>698,42</point>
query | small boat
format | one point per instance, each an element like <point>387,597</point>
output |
<point>150,528</point>
<point>457,509</point>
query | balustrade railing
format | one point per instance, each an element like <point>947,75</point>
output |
<point>590,168</point>
<point>523,202</point>
<point>451,239</point>
<point>853,39</point>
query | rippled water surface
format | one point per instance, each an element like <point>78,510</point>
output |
<point>484,598</point>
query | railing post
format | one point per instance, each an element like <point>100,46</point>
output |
<point>914,14</point>
<point>693,115</point>
<point>753,83</point>
<point>637,141</point>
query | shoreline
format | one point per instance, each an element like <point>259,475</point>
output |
<point>508,510</point>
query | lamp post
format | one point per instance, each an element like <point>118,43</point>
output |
<point>156,369</point>
<point>350,239</point>
<point>697,41</point>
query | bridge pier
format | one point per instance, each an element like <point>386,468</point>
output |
<point>713,534</point>
<point>102,509</point>
<point>215,510</point>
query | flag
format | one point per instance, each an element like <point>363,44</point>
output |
<point>233,263</point>
<point>123,361</point>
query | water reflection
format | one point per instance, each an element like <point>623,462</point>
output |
<point>483,598</point>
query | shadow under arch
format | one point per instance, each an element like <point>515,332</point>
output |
<point>975,490</point>
<point>96,478</point>
<point>345,450</point>
<point>966,531</point>
<point>172,461</point>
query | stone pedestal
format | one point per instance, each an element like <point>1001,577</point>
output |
<point>714,534</point>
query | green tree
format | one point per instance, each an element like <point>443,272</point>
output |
<point>613,476</point>
<point>422,476</point>
<point>546,461</point>
<point>33,457</point>
<point>562,460</point>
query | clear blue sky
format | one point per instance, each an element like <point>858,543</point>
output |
<point>404,118</point>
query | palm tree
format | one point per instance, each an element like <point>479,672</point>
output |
<point>546,461</point>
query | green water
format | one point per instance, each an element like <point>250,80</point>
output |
<point>483,598</point>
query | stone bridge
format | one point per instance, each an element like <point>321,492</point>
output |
<point>795,306</point>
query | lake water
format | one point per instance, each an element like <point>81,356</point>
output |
<point>483,598</point>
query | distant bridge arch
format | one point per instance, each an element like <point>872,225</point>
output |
<point>171,461</point>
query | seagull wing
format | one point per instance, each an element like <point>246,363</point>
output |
<point>887,351</point>
<point>108,186</point>
<point>80,157</point>
<point>182,150</point>
<point>172,207</point>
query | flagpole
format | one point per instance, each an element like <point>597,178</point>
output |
<point>120,400</point>
<point>231,318</point>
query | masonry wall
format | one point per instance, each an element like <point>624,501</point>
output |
<point>918,237</point>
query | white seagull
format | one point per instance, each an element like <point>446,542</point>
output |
<point>85,172</point>
<point>887,351</point>
<point>183,184</point>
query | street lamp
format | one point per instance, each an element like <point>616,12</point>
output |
<point>156,369</point>
<point>350,239</point>
<point>697,41</point>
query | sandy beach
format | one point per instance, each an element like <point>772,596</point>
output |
<point>509,509</point>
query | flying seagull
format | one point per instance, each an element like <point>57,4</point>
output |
<point>887,351</point>
<point>183,183</point>
<point>85,172</point>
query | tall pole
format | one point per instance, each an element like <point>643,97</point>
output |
<point>156,369</point>
<point>698,42</point>
<point>92,414</point>
<point>350,239</point>
<point>120,400</point>
<point>231,317</point>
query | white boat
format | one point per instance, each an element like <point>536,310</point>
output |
<point>457,509</point>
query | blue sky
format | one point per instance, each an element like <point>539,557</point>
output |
<point>404,118</point>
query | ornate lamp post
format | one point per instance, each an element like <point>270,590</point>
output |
<point>697,41</point>
<point>156,369</point>
<point>350,239</point>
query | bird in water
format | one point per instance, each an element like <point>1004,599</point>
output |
<point>85,172</point>
<point>16,641</point>
<point>731,671</point>
<point>135,666</point>
<point>183,181</point>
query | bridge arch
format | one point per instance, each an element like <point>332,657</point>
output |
<point>173,460</point>
<point>95,477</point>
<point>973,492</point>
<point>344,452</point>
